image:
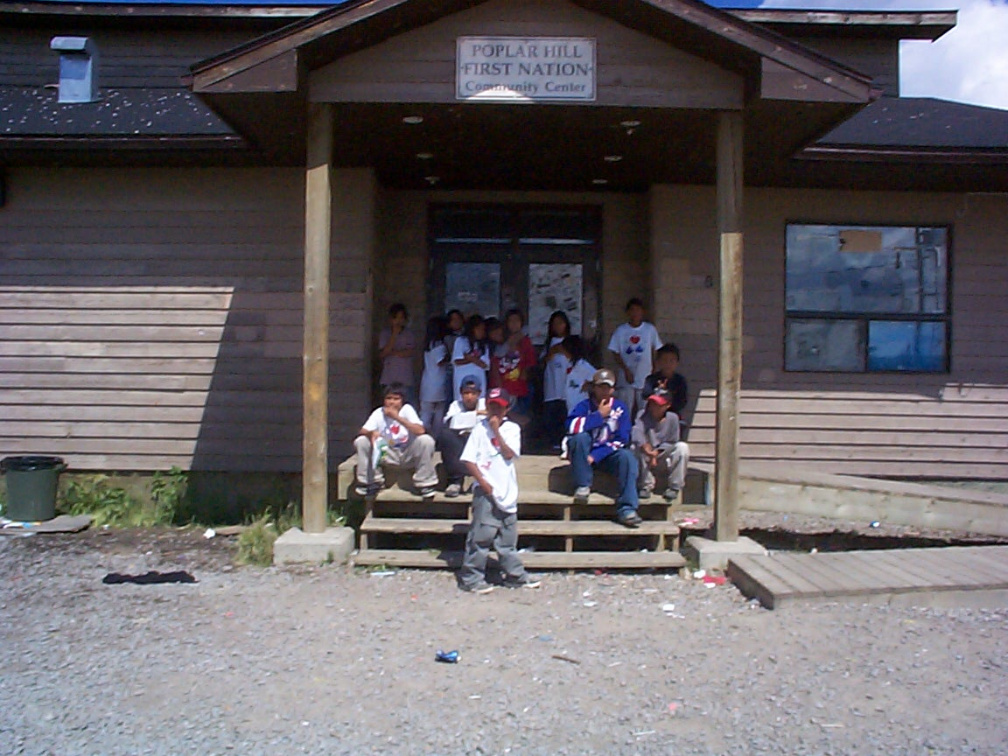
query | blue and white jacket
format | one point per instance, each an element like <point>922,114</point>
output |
<point>608,434</point>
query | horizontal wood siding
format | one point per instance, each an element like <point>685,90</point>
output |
<point>879,58</point>
<point>632,68</point>
<point>126,58</point>
<point>946,425</point>
<point>151,318</point>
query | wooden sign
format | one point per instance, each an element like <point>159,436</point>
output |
<point>525,69</point>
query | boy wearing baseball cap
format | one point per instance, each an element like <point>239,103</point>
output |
<point>599,437</point>
<point>490,453</point>
<point>656,442</point>
<point>462,416</point>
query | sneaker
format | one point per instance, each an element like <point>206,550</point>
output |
<point>645,493</point>
<point>453,490</point>
<point>671,494</point>
<point>368,491</point>
<point>480,588</point>
<point>629,519</point>
<point>581,494</point>
<point>427,493</point>
<point>563,449</point>
<point>525,581</point>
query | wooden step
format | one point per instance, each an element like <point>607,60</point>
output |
<point>528,495</point>
<point>541,478</point>
<point>406,525</point>
<point>535,560</point>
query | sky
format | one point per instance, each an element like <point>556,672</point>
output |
<point>968,64</point>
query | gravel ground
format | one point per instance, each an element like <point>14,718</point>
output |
<point>327,660</point>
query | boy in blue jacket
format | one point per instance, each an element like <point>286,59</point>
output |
<point>599,436</point>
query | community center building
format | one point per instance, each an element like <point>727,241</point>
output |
<point>179,182</point>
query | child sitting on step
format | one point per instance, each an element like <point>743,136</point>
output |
<point>393,435</point>
<point>655,439</point>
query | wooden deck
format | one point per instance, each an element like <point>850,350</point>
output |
<point>974,576</point>
<point>554,533</point>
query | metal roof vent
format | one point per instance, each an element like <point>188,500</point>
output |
<point>78,68</point>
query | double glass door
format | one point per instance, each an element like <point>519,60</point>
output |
<point>488,259</point>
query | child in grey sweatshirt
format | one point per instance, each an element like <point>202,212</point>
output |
<point>655,440</point>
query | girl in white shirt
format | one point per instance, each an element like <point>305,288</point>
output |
<point>555,364</point>
<point>471,356</point>
<point>434,382</point>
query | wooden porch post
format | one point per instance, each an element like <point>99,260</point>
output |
<point>729,373</point>
<point>318,233</point>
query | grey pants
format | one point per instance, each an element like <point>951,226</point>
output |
<point>490,527</point>
<point>672,460</point>
<point>418,454</point>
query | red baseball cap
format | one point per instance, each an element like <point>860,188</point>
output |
<point>498,396</point>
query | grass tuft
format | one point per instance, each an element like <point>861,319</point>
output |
<point>255,544</point>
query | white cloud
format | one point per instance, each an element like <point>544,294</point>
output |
<point>968,64</point>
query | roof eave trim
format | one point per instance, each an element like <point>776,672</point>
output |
<point>904,154</point>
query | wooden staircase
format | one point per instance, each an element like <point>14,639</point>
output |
<point>399,529</point>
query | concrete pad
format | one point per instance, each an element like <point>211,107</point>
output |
<point>714,555</point>
<point>295,546</point>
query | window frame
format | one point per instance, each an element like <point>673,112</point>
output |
<point>864,319</point>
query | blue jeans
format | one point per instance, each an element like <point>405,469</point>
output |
<point>622,463</point>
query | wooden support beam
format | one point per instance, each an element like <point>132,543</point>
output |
<point>318,234</point>
<point>729,373</point>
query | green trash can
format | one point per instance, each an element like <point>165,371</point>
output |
<point>31,487</point>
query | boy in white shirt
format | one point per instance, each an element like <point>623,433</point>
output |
<point>633,344</point>
<point>489,455</point>
<point>394,435</point>
<point>462,416</point>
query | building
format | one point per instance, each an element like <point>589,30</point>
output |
<point>536,153</point>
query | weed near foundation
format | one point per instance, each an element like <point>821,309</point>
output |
<point>255,544</point>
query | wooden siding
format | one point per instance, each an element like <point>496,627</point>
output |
<point>879,58</point>
<point>901,425</point>
<point>151,318</point>
<point>633,69</point>
<point>125,58</point>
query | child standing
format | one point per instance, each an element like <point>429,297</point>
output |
<point>555,364</point>
<point>579,374</point>
<point>666,376</point>
<point>434,381</point>
<point>489,455</point>
<point>513,358</point>
<point>471,355</point>
<point>633,345</point>
<point>396,349</point>
<point>655,438</point>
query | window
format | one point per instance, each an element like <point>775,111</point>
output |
<point>867,298</point>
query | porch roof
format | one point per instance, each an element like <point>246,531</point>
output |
<point>690,25</point>
<point>793,95</point>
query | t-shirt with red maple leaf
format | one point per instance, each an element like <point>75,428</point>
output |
<point>393,431</point>
<point>483,450</point>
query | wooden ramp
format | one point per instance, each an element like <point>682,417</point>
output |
<point>973,576</point>
<point>401,530</point>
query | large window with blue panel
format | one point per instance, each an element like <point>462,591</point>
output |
<point>867,298</point>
